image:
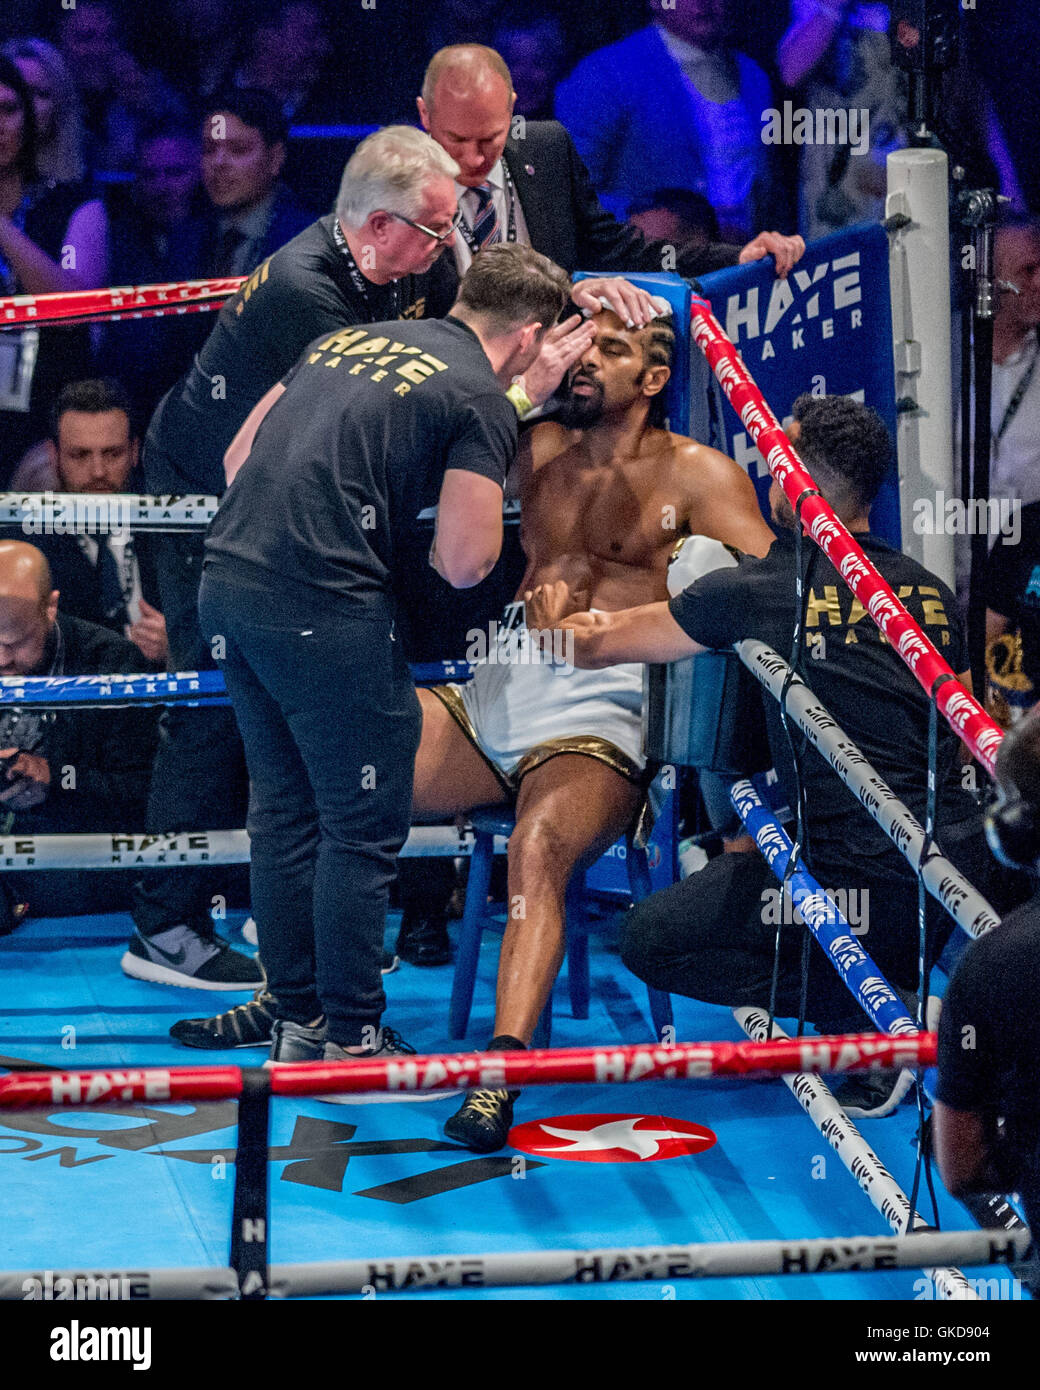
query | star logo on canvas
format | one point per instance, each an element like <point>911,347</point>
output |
<point>611,1138</point>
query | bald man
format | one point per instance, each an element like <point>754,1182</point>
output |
<point>77,770</point>
<point>529,184</point>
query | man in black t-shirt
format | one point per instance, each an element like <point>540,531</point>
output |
<point>298,600</point>
<point>1013,607</point>
<point>711,937</point>
<point>357,265</point>
<point>987,1109</point>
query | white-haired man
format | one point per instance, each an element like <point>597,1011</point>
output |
<point>395,213</point>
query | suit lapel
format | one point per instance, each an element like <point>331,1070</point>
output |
<point>535,197</point>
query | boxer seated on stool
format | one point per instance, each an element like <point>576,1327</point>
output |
<point>604,496</point>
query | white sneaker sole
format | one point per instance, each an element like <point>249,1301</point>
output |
<point>387,1097</point>
<point>154,974</point>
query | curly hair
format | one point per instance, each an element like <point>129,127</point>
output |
<point>845,446</point>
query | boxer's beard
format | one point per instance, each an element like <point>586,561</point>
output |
<point>579,412</point>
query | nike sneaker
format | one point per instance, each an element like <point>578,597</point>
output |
<point>191,959</point>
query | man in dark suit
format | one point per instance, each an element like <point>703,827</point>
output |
<point>71,771</point>
<point>244,137</point>
<point>107,577</point>
<point>524,181</point>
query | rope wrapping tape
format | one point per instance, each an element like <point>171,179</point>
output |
<point>858,1157</point>
<point>961,711</point>
<point>104,514</point>
<point>166,688</point>
<point>619,1264</point>
<point>870,988</point>
<point>947,885</point>
<point>125,302</point>
<point>191,848</point>
<point>439,1071</point>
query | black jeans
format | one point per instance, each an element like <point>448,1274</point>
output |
<point>712,936</point>
<point>330,721</point>
<point>199,779</point>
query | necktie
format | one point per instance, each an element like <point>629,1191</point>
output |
<point>486,230</point>
<point>110,585</point>
<point>227,250</point>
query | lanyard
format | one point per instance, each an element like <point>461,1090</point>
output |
<point>467,231</point>
<point>361,285</point>
<point>1019,393</point>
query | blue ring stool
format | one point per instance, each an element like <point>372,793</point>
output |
<point>487,822</point>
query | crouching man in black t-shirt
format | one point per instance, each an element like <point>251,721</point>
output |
<point>712,936</point>
<point>298,599</point>
<point>987,1110</point>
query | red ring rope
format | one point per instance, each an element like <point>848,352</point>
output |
<point>439,1071</point>
<point>961,710</point>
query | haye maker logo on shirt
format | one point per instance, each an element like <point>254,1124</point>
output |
<point>838,608</point>
<point>383,356</point>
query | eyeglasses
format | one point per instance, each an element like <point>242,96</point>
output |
<point>456,223</point>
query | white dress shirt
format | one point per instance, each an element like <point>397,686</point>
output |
<point>468,204</point>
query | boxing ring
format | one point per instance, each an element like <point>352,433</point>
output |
<point>618,1229</point>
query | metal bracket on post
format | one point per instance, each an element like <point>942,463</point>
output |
<point>249,1219</point>
<point>978,209</point>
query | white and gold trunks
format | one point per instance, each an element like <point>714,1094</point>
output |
<point>520,710</point>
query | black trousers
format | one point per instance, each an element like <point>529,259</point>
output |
<point>712,936</point>
<point>330,720</point>
<point>199,779</point>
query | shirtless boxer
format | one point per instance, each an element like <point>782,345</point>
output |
<point>605,496</point>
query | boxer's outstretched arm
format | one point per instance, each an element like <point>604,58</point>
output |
<point>648,633</point>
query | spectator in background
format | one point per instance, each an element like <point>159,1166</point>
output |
<point>1015,417</point>
<point>836,53</point>
<point>59,124</point>
<point>197,45</point>
<point>116,93</point>
<point>462,21</point>
<point>107,579</point>
<point>1014,476</point>
<point>74,770</point>
<point>536,50</point>
<point>50,240</point>
<point>155,235</point>
<point>678,216</point>
<point>243,153</point>
<point>675,104</point>
<point>287,49</point>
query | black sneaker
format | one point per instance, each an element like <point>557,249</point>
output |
<point>483,1121</point>
<point>865,1097</point>
<point>424,940</point>
<point>192,959</point>
<point>296,1042</point>
<point>246,1025</point>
